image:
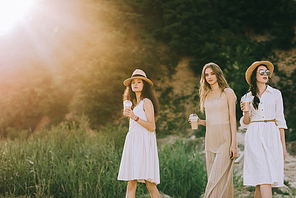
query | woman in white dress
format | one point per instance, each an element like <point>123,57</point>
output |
<point>139,161</point>
<point>265,148</point>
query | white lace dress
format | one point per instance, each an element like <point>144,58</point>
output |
<point>140,157</point>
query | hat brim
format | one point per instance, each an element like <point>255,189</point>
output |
<point>128,81</point>
<point>250,70</point>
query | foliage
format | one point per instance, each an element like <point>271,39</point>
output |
<point>288,89</point>
<point>201,28</point>
<point>173,118</point>
<point>82,71</point>
<point>86,68</point>
<point>26,102</point>
<point>71,160</point>
<point>215,31</point>
<point>67,161</point>
<point>182,170</point>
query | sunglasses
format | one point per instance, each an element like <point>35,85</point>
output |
<point>261,72</point>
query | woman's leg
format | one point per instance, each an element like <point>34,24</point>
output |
<point>266,191</point>
<point>131,189</point>
<point>257,192</point>
<point>152,189</point>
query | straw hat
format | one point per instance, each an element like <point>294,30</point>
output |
<point>250,70</point>
<point>138,73</point>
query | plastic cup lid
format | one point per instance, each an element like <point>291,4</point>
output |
<point>193,116</point>
<point>127,103</point>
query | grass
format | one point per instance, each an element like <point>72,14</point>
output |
<point>62,162</point>
<point>70,160</point>
<point>182,170</point>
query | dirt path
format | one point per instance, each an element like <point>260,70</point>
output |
<point>290,170</point>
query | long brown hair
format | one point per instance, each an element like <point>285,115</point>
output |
<point>147,92</point>
<point>205,87</point>
<point>253,87</point>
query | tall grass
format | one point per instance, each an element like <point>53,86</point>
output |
<point>71,160</point>
<point>183,171</point>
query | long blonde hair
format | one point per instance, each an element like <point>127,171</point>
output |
<point>205,87</point>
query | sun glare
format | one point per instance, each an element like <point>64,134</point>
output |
<point>11,11</point>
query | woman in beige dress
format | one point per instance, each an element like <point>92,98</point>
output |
<point>219,102</point>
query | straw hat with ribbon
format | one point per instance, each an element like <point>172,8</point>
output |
<point>250,70</point>
<point>138,73</point>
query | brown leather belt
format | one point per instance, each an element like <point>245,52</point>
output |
<point>274,120</point>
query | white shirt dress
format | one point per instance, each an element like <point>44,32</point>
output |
<point>263,160</point>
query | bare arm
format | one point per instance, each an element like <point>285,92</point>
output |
<point>199,122</point>
<point>232,117</point>
<point>246,119</point>
<point>149,111</point>
<point>202,122</point>
<point>282,133</point>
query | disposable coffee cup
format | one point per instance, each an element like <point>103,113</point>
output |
<point>246,102</point>
<point>193,119</point>
<point>127,104</point>
<point>247,106</point>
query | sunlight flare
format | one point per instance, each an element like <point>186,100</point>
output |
<point>11,11</point>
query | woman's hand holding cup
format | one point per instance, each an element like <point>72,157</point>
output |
<point>129,113</point>
<point>127,108</point>
<point>245,104</point>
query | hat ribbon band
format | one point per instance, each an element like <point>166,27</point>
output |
<point>138,75</point>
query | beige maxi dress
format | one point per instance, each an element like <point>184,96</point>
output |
<point>217,145</point>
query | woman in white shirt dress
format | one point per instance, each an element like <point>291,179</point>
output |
<point>265,148</point>
<point>139,161</point>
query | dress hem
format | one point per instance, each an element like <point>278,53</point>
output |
<point>140,180</point>
<point>273,184</point>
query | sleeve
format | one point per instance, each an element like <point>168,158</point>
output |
<point>243,125</point>
<point>279,110</point>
